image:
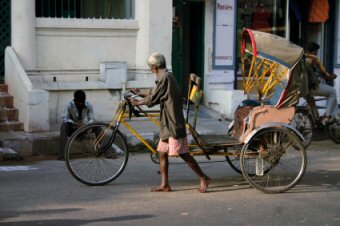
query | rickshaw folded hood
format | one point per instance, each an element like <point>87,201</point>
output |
<point>273,67</point>
<point>273,47</point>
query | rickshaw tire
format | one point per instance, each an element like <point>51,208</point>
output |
<point>154,158</point>
<point>109,158</point>
<point>334,132</point>
<point>305,127</point>
<point>276,152</point>
<point>234,160</point>
<point>233,166</point>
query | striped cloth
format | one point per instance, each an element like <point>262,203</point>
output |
<point>174,147</point>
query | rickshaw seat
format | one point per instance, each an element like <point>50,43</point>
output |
<point>267,114</point>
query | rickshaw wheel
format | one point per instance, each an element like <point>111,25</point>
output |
<point>274,160</point>
<point>303,122</point>
<point>234,159</point>
<point>154,158</point>
<point>96,154</point>
<point>334,132</point>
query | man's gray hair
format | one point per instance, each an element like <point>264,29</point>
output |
<point>158,60</point>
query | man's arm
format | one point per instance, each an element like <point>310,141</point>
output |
<point>136,102</point>
<point>90,114</point>
<point>141,93</point>
<point>154,95</point>
<point>67,117</point>
<point>322,69</point>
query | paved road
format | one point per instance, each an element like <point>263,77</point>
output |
<point>42,192</point>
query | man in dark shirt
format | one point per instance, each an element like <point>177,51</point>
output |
<point>315,72</point>
<point>173,138</point>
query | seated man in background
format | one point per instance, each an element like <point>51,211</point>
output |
<point>316,71</point>
<point>77,113</point>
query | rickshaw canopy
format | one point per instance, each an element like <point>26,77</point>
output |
<point>273,67</point>
<point>274,48</point>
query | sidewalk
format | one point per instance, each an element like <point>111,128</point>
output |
<point>21,145</point>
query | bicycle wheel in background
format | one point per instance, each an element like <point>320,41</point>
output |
<point>334,132</point>
<point>96,154</point>
<point>303,122</point>
<point>274,160</point>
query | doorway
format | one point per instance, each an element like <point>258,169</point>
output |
<point>302,31</point>
<point>187,41</point>
<point>5,33</point>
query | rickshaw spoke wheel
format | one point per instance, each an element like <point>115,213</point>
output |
<point>234,157</point>
<point>96,154</point>
<point>154,158</point>
<point>274,160</point>
<point>303,122</point>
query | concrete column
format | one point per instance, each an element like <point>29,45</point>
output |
<point>23,32</point>
<point>155,30</point>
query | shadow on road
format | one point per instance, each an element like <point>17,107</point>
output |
<point>59,222</point>
<point>318,181</point>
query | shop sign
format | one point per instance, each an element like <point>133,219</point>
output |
<point>224,38</point>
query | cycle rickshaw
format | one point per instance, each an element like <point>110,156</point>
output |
<point>260,143</point>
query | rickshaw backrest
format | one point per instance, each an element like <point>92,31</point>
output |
<point>269,114</point>
<point>195,95</point>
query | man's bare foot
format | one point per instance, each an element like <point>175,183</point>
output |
<point>161,189</point>
<point>204,184</point>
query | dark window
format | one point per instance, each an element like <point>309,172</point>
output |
<point>5,33</point>
<point>105,9</point>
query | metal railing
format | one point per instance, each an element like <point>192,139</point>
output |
<point>105,9</point>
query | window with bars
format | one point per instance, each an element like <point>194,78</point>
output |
<point>105,9</point>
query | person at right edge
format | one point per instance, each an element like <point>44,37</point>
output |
<point>316,72</point>
<point>173,135</point>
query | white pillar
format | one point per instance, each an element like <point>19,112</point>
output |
<point>23,32</point>
<point>155,30</point>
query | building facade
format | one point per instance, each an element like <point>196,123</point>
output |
<point>58,46</point>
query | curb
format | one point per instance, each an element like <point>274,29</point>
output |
<point>26,144</point>
<point>19,146</point>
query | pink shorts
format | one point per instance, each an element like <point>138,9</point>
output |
<point>173,146</point>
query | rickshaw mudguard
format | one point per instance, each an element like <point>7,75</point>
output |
<point>273,125</point>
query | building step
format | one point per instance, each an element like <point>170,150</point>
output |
<point>3,88</point>
<point>8,114</point>
<point>11,126</point>
<point>6,100</point>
